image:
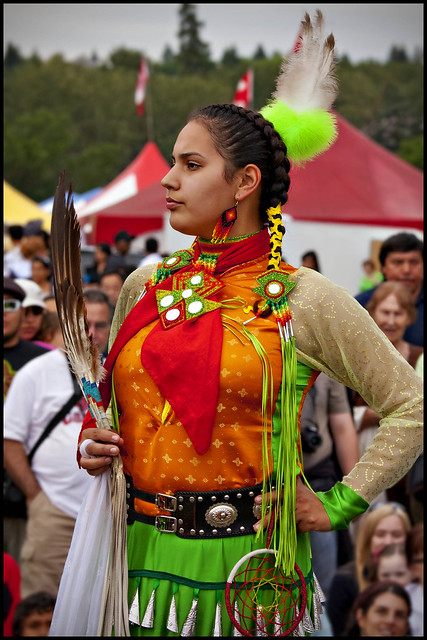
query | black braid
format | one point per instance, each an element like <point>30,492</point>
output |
<point>232,130</point>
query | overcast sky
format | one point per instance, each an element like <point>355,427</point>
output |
<point>362,31</point>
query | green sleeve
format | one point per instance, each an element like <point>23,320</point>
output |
<point>342,505</point>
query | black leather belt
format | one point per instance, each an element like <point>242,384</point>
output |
<point>199,514</point>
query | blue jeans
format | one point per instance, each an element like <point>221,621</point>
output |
<point>324,551</point>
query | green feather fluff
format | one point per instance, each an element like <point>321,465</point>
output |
<point>306,134</point>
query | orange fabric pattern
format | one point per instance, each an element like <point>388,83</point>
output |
<point>158,453</point>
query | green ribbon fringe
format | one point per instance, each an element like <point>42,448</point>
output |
<point>283,510</point>
<point>286,461</point>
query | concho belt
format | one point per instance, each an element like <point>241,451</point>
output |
<point>199,514</point>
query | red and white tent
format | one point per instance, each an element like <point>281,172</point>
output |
<point>357,181</point>
<point>134,201</point>
<point>343,203</point>
<point>351,196</point>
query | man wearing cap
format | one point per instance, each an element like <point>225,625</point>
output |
<point>33,305</point>
<point>16,353</point>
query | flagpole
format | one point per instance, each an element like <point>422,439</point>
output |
<point>149,114</point>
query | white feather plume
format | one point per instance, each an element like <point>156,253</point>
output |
<point>306,79</point>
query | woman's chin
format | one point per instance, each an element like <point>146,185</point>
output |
<point>179,225</point>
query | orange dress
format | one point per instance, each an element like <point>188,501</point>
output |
<point>158,453</point>
<point>171,576</point>
<point>159,456</point>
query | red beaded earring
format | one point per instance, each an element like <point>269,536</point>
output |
<point>224,225</point>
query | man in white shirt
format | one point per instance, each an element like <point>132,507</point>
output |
<point>53,484</point>
<point>152,255</point>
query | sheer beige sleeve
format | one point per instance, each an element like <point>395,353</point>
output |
<point>335,334</point>
<point>131,291</point>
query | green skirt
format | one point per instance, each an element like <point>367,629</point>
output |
<point>177,586</point>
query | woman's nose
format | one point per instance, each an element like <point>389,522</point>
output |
<point>169,180</point>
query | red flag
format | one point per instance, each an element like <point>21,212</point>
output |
<point>141,86</point>
<point>243,95</point>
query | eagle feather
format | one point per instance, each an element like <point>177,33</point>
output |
<point>86,364</point>
<point>66,258</point>
<point>306,79</point>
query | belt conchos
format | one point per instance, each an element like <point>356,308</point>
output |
<point>204,514</point>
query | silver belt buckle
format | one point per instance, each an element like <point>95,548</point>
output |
<point>165,502</point>
<point>165,524</point>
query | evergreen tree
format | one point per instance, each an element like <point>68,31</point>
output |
<point>12,57</point>
<point>230,57</point>
<point>168,54</point>
<point>259,53</point>
<point>398,54</point>
<point>193,56</point>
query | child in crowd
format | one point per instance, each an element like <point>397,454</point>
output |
<point>33,615</point>
<point>393,565</point>
<point>416,552</point>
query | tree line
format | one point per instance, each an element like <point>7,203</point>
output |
<point>80,116</point>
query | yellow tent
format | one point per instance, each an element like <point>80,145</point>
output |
<point>19,209</point>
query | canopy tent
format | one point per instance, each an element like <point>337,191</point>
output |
<point>140,214</point>
<point>343,204</point>
<point>18,209</point>
<point>79,199</point>
<point>355,194</point>
<point>357,181</point>
<point>141,180</point>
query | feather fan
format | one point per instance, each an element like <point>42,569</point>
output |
<point>306,80</point>
<point>86,364</point>
<point>66,258</point>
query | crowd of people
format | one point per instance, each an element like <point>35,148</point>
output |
<point>380,558</point>
<point>37,529</point>
<point>244,391</point>
<point>381,545</point>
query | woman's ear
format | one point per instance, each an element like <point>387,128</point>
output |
<point>360,616</point>
<point>247,181</point>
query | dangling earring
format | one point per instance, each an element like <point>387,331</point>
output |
<point>224,225</point>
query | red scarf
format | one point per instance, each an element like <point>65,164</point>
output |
<point>184,360</point>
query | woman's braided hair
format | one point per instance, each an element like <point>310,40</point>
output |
<point>242,137</point>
